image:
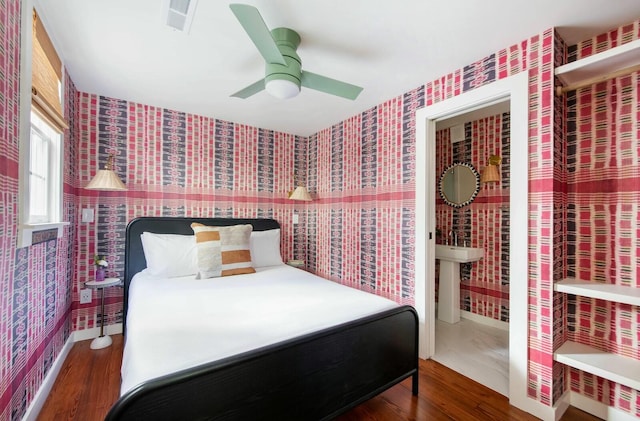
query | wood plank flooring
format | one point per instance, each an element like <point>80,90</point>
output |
<point>89,383</point>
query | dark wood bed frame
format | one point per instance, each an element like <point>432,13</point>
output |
<point>312,377</point>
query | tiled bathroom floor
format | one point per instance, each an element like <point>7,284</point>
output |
<point>476,351</point>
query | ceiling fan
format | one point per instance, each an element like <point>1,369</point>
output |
<point>284,74</point>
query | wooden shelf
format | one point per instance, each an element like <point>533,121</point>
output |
<point>600,64</point>
<point>609,292</point>
<point>619,369</point>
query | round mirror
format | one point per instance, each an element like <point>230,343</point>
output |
<point>459,184</point>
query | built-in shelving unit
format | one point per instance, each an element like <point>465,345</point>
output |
<point>599,67</point>
<point>609,292</point>
<point>624,370</point>
<point>617,368</point>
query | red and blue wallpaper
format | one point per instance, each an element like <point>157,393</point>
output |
<point>361,225</point>
<point>603,215</point>
<point>35,282</point>
<point>375,243</point>
<point>484,285</point>
<point>175,164</point>
<point>359,230</point>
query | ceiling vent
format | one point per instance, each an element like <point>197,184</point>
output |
<point>178,14</point>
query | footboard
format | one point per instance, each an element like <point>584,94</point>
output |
<point>316,376</point>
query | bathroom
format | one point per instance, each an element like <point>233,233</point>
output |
<point>477,346</point>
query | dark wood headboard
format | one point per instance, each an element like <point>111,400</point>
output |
<point>134,260</point>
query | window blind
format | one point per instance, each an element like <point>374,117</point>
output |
<point>46,77</point>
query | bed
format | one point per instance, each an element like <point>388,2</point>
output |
<point>316,370</point>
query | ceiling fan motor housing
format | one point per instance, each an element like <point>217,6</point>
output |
<point>287,41</point>
<point>283,67</point>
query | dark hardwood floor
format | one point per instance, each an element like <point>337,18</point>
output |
<point>89,383</point>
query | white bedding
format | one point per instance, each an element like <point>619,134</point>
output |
<point>177,323</point>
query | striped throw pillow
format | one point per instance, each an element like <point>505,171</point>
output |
<point>223,251</point>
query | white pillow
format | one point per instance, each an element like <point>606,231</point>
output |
<point>265,248</point>
<point>170,255</point>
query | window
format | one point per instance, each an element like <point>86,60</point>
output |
<point>41,126</point>
<point>44,173</point>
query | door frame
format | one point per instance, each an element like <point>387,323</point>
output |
<point>515,89</point>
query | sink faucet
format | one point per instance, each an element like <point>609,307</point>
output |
<point>454,237</point>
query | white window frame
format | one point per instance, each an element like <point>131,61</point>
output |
<point>27,225</point>
<point>51,173</point>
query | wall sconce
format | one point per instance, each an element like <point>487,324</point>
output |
<point>300,193</point>
<point>106,179</point>
<point>490,172</point>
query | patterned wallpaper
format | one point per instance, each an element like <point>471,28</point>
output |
<point>559,236</point>
<point>536,56</point>
<point>176,164</point>
<point>360,228</point>
<point>378,217</point>
<point>361,170</point>
<point>359,231</point>
<point>484,287</point>
<point>35,282</point>
<point>603,189</point>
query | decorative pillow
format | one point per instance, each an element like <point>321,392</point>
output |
<point>265,248</point>
<point>223,251</point>
<point>170,255</point>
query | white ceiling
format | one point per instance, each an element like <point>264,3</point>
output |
<point>122,49</point>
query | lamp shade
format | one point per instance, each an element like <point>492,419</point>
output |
<point>490,173</point>
<point>106,179</point>
<point>300,193</point>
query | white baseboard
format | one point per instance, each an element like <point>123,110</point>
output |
<point>561,406</point>
<point>537,408</point>
<point>83,335</point>
<point>34,408</point>
<point>423,351</point>
<point>598,409</point>
<point>499,324</point>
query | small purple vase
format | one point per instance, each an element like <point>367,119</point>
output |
<point>100,273</point>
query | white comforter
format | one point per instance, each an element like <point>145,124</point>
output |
<point>177,323</point>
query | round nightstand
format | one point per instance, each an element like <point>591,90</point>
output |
<point>103,340</point>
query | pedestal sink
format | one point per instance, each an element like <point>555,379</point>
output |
<point>449,290</point>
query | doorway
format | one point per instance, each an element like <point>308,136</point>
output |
<point>475,343</point>
<point>515,89</point>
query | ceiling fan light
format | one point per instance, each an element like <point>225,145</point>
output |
<point>282,88</point>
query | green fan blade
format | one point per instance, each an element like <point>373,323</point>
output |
<point>257,30</point>
<point>330,86</point>
<point>252,89</point>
